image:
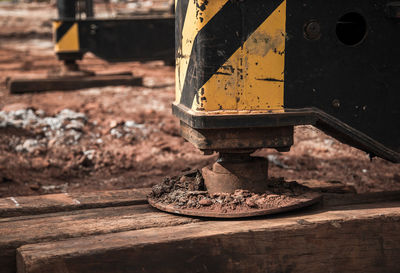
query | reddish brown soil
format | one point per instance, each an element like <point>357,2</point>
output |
<point>127,136</point>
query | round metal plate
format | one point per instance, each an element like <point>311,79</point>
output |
<point>300,201</point>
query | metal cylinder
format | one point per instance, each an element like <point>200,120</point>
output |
<point>66,9</point>
<point>89,11</point>
<point>229,175</point>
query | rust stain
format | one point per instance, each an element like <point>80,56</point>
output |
<point>201,6</point>
<point>263,43</point>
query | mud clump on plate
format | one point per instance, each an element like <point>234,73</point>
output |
<point>188,192</point>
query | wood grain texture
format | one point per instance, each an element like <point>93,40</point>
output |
<point>30,205</point>
<point>356,238</point>
<point>55,217</point>
<point>17,231</point>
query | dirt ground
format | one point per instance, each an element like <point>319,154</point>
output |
<point>124,137</point>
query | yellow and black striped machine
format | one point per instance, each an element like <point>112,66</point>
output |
<point>248,71</point>
<point>77,31</point>
<point>122,39</point>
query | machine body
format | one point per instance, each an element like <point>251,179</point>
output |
<point>134,38</point>
<point>257,68</point>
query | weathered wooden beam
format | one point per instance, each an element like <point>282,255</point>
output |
<point>77,215</point>
<point>69,222</point>
<point>327,186</point>
<point>30,205</point>
<point>17,231</point>
<point>20,86</point>
<point>334,199</point>
<point>356,238</point>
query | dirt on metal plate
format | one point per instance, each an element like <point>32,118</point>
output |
<point>187,195</point>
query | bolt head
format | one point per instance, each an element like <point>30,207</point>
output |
<point>312,30</point>
<point>336,103</point>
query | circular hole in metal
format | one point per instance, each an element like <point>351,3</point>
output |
<point>351,28</point>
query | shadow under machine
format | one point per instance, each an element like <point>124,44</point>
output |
<point>129,37</point>
<point>247,72</point>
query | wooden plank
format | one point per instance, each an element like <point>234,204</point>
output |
<point>327,186</point>
<point>20,86</point>
<point>334,199</point>
<point>71,217</point>
<point>30,227</point>
<point>30,205</point>
<point>357,238</point>
<point>17,231</point>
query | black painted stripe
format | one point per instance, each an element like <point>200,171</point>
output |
<point>270,80</point>
<point>62,30</point>
<point>180,16</point>
<point>220,38</point>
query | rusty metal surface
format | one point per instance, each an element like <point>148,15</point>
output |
<point>302,201</point>
<point>251,175</point>
<point>234,187</point>
<point>238,138</point>
<point>305,116</point>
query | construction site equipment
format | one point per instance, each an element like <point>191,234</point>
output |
<point>77,31</point>
<point>134,38</point>
<point>247,72</point>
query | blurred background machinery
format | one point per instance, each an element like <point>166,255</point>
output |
<point>129,38</point>
<point>76,31</point>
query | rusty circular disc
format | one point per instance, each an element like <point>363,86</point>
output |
<point>187,195</point>
<point>301,201</point>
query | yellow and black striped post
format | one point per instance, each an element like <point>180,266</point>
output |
<point>66,30</point>
<point>230,58</point>
<point>66,36</point>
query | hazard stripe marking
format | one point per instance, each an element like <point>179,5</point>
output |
<point>219,39</point>
<point>181,7</point>
<point>67,37</point>
<point>253,77</point>
<point>62,30</point>
<point>198,14</point>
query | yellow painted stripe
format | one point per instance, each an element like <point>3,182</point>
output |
<point>70,41</point>
<point>253,78</point>
<point>195,20</point>
<point>56,24</point>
